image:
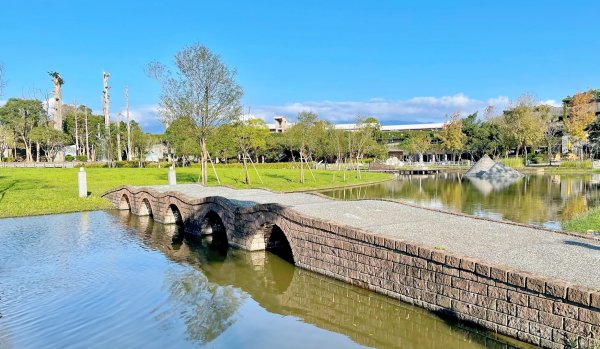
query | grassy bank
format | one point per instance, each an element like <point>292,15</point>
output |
<point>25,192</point>
<point>588,221</point>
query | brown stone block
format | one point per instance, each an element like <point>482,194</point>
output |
<point>547,319</point>
<point>595,299</point>
<point>566,310</point>
<point>453,260</point>
<point>450,271</point>
<point>536,284</point>
<point>589,316</point>
<point>482,269</point>
<point>425,252</point>
<point>478,288</point>
<point>579,295</point>
<point>438,256</point>
<point>578,327</point>
<point>542,304</point>
<point>459,283</point>
<point>467,275</point>
<point>443,301</point>
<point>521,325</point>
<point>518,298</point>
<point>400,245</point>
<point>497,318</point>
<point>420,263</point>
<point>467,264</point>
<point>556,288</point>
<point>412,249</point>
<point>498,293</point>
<point>516,279</point>
<point>541,331</point>
<point>506,308</point>
<point>527,313</point>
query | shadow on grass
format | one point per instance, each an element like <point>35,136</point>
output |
<point>187,177</point>
<point>5,189</point>
<point>277,176</point>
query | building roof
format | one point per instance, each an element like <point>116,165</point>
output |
<point>410,127</point>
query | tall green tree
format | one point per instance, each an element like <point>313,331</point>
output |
<point>451,135</point>
<point>182,136</point>
<point>203,88</point>
<point>250,137</point>
<point>300,135</point>
<point>51,140</point>
<point>21,116</point>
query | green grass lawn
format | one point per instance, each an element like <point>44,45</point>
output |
<point>33,191</point>
<point>588,221</point>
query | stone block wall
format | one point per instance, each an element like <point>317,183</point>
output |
<point>534,309</point>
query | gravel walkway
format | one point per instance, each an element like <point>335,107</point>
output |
<point>538,251</point>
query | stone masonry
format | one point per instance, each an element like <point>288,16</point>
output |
<point>539,310</point>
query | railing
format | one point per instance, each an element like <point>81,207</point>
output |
<point>36,165</point>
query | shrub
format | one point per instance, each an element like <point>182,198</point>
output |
<point>513,162</point>
<point>587,164</point>
<point>8,159</point>
<point>69,158</point>
<point>81,158</point>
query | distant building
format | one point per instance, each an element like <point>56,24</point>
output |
<point>281,125</point>
<point>435,126</point>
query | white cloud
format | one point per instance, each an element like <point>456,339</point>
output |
<point>147,116</point>
<point>416,109</point>
<point>552,103</point>
<point>2,102</point>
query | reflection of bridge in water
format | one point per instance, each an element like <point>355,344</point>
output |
<point>367,318</point>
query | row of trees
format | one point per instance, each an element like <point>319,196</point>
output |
<point>524,126</point>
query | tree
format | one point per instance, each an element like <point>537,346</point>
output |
<point>203,89</point>
<point>221,142</point>
<point>21,116</point>
<point>250,137</point>
<point>451,136</point>
<point>50,139</point>
<point>6,139</point>
<point>300,135</point>
<point>523,125</point>
<point>182,135</point>
<point>582,113</point>
<point>418,142</point>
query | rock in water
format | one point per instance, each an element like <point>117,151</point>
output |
<point>486,168</point>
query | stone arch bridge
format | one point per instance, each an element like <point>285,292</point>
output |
<point>520,281</point>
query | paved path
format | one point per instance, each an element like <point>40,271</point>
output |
<point>538,251</point>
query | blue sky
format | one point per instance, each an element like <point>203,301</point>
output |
<point>402,62</point>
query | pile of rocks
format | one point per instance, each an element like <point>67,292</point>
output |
<point>487,168</point>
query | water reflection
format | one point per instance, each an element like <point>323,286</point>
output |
<point>367,318</point>
<point>544,200</point>
<point>130,285</point>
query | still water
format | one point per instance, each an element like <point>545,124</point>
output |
<point>107,279</point>
<point>543,200</point>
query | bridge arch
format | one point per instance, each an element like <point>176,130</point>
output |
<point>173,215</point>
<point>145,208</point>
<point>212,226</point>
<point>277,242</point>
<point>124,203</point>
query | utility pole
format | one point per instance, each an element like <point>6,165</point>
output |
<point>129,155</point>
<point>106,112</point>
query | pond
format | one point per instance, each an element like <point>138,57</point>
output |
<point>109,279</point>
<point>543,200</point>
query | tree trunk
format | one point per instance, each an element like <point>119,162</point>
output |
<point>246,169</point>
<point>301,168</point>
<point>204,162</point>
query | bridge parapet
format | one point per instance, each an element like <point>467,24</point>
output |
<point>536,309</point>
